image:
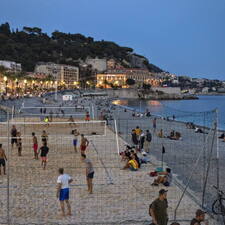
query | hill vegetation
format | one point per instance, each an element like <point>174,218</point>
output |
<point>30,45</point>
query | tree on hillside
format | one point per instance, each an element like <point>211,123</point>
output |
<point>5,29</point>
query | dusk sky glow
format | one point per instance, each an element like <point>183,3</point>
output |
<point>185,37</point>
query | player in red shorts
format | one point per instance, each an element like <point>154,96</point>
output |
<point>83,144</point>
<point>35,146</point>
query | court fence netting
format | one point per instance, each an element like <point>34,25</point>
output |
<point>28,193</point>
<point>196,159</point>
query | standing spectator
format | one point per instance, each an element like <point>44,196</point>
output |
<point>142,140</point>
<point>41,110</point>
<point>13,135</point>
<point>134,138</point>
<point>19,144</point>
<point>138,131</point>
<point>2,159</point>
<point>154,124</point>
<point>44,151</point>
<point>199,217</point>
<point>158,209</point>
<point>35,146</point>
<point>148,139</point>
<point>62,192</point>
<point>89,173</point>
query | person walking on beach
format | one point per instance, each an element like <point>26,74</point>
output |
<point>89,173</point>
<point>75,139</point>
<point>13,135</point>
<point>158,209</point>
<point>83,144</point>
<point>35,146</point>
<point>2,160</point>
<point>19,144</point>
<point>199,218</point>
<point>44,151</point>
<point>62,192</point>
<point>154,124</point>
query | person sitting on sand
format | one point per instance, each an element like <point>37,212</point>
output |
<point>172,135</point>
<point>131,164</point>
<point>160,134</point>
<point>164,178</point>
<point>222,136</point>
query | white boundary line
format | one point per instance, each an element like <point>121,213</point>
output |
<point>50,123</point>
<point>55,107</point>
<point>54,114</point>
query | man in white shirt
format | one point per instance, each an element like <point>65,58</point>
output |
<point>62,193</point>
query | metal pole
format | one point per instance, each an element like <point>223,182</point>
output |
<point>117,140</point>
<point>8,160</point>
<point>56,91</point>
<point>93,112</point>
<point>217,150</point>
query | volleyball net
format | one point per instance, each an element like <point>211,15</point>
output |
<point>76,112</point>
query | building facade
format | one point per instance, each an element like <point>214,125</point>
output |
<point>61,73</point>
<point>118,77</point>
<point>11,66</point>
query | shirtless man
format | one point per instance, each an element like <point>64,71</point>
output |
<point>35,146</point>
<point>2,159</point>
<point>83,144</point>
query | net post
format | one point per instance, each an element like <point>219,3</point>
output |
<point>117,140</point>
<point>93,112</point>
<point>8,160</point>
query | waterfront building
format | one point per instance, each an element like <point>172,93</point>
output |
<point>62,73</point>
<point>118,77</point>
<point>11,66</point>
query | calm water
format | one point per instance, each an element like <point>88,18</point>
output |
<point>197,111</point>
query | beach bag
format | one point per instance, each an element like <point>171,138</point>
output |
<point>153,174</point>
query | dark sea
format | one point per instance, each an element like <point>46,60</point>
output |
<point>201,111</point>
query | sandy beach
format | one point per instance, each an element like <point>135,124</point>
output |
<point>120,196</point>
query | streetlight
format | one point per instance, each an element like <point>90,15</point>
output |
<point>16,81</point>
<point>25,85</point>
<point>6,82</point>
<point>56,90</point>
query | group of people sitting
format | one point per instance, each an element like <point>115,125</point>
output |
<point>222,136</point>
<point>174,135</point>
<point>133,159</point>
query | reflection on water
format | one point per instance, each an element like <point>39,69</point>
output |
<point>154,103</point>
<point>120,102</point>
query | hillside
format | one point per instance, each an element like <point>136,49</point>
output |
<point>30,45</point>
